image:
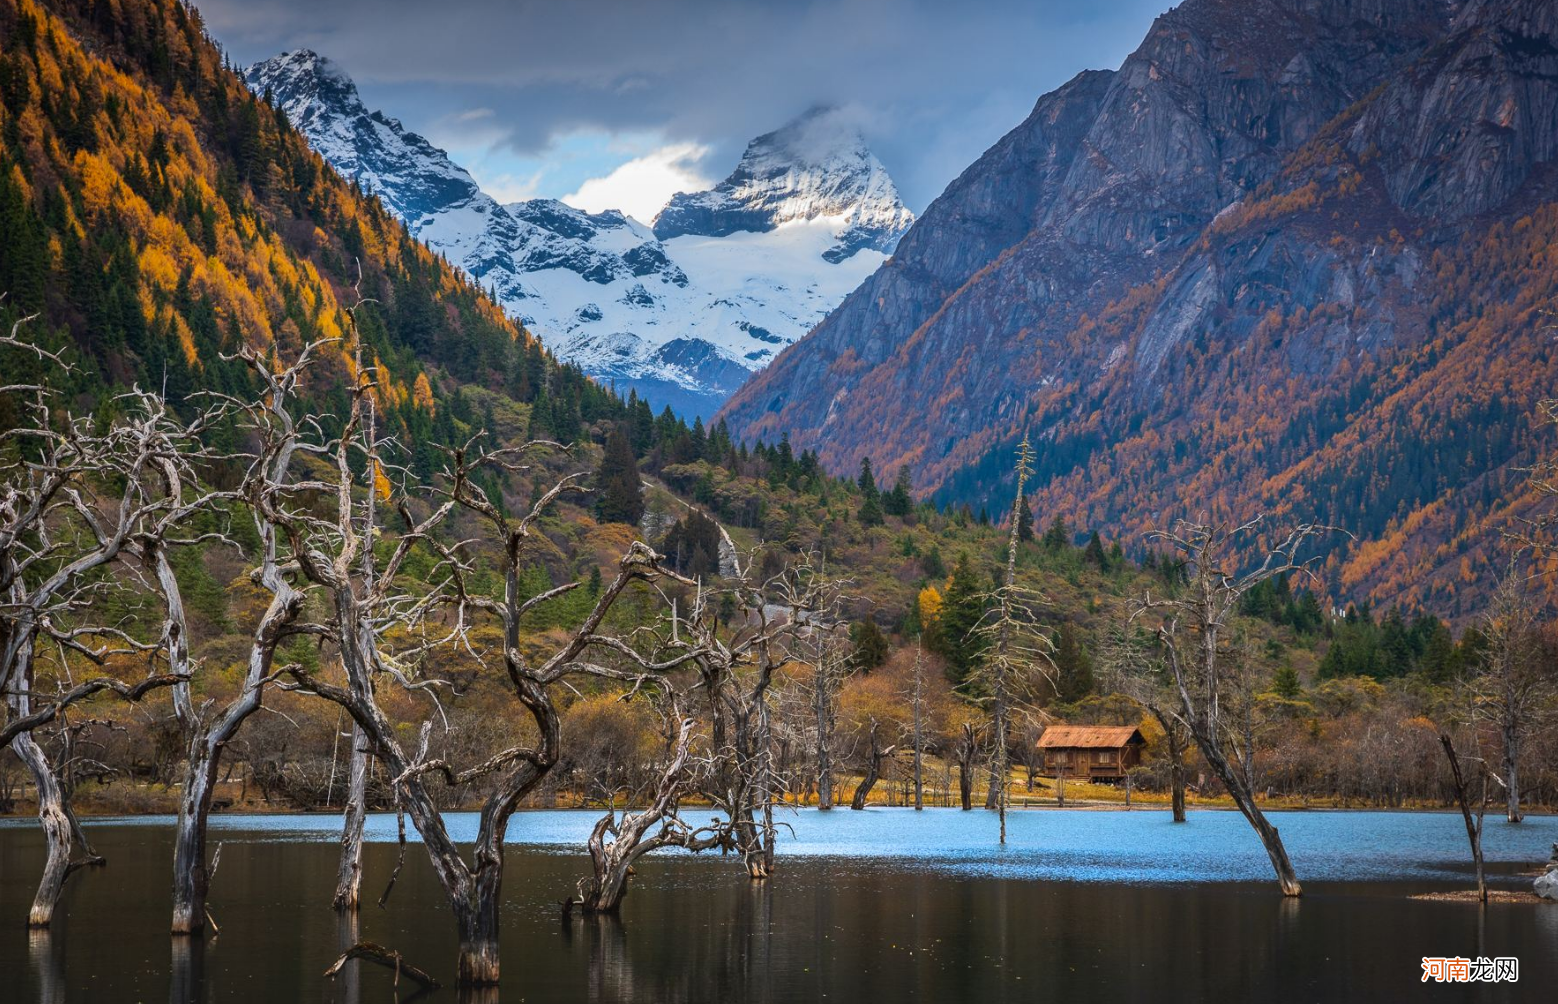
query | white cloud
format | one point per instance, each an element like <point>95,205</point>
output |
<point>642,186</point>
<point>508,188</point>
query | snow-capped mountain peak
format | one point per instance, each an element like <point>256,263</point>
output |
<point>682,314</point>
<point>414,178</point>
<point>815,167</point>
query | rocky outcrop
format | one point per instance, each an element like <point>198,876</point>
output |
<point>1211,274</point>
<point>1546,884</point>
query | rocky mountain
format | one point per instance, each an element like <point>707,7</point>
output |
<point>1289,257</point>
<point>682,313</point>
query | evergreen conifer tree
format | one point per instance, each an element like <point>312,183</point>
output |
<point>621,497</point>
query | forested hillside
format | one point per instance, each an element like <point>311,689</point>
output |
<point>156,215</point>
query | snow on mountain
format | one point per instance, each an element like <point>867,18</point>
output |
<point>682,312</point>
<point>816,167</point>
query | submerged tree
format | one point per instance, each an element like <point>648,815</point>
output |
<point>616,842</point>
<point>1513,687</point>
<point>1014,651</point>
<point>75,502</point>
<point>1137,667</point>
<point>1221,565</point>
<point>367,599</point>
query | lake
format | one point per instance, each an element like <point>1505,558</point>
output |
<point>880,905</point>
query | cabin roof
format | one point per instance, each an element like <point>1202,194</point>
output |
<point>1089,736</point>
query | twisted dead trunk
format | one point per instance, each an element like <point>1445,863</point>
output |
<point>966,750</point>
<point>613,860</point>
<point>203,763</point>
<point>873,769</point>
<point>57,831</point>
<point>348,883</point>
<point>59,825</point>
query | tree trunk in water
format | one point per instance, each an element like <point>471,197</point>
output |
<point>348,882</point>
<point>477,920</point>
<point>966,767</point>
<point>919,777</point>
<point>1177,777</point>
<point>1473,824</point>
<point>56,830</point>
<point>191,879</point>
<point>1512,777</point>
<point>1233,780</point>
<point>873,771</point>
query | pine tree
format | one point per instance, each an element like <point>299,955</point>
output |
<point>962,608</point>
<point>870,645</point>
<point>621,492</point>
<point>1073,666</point>
<point>1058,537</point>
<point>1094,554</point>
<point>1285,683</point>
<point>871,510</point>
<point>867,482</point>
<point>871,499</point>
<point>1024,521</point>
<point>900,501</point>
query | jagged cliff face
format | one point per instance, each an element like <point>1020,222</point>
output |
<point>1214,277</point>
<point>682,314</point>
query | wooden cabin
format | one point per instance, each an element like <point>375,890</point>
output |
<point>1096,752</point>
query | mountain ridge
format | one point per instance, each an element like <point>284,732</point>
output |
<point>681,320</point>
<point>1220,268</point>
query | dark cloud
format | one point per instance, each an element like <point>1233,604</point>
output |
<point>937,81</point>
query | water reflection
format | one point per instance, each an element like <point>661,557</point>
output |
<point>847,927</point>
<point>347,984</point>
<point>187,975</point>
<point>46,954</point>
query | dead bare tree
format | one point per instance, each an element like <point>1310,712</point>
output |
<point>1137,667</point>
<point>1016,653</point>
<point>366,600</point>
<point>825,716</point>
<point>736,670</point>
<point>1463,799</point>
<point>1513,688</point>
<point>657,825</point>
<point>1191,626</point>
<point>967,749</point>
<point>208,729</point>
<point>917,729</point>
<point>876,755</point>
<point>69,509</point>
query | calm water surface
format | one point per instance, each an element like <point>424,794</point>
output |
<point>886,904</point>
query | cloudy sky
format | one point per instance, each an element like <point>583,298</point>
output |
<point>621,103</point>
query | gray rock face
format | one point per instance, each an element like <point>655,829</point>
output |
<point>1546,884</point>
<point>1256,203</point>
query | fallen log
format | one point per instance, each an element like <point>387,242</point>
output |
<point>387,957</point>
